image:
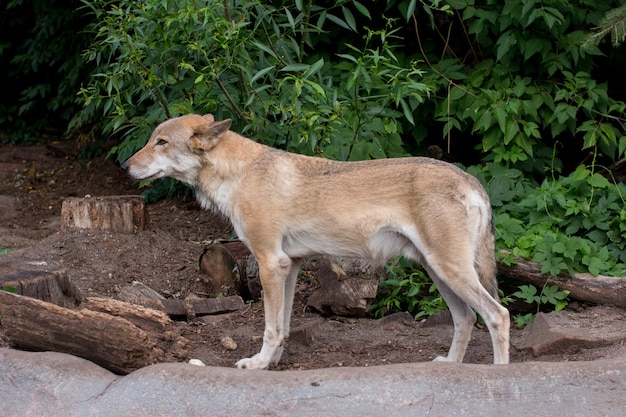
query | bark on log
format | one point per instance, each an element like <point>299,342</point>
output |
<point>44,280</point>
<point>109,340</point>
<point>192,308</point>
<point>583,287</point>
<point>124,214</point>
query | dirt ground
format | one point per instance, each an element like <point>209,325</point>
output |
<point>165,257</point>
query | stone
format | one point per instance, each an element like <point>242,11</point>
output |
<point>138,290</point>
<point>560,331</point>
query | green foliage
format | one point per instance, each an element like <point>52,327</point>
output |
<point>10,289</point>
<point>570,224</point>
<point>407,289</point>
<point>550,296</point>
<point>527,82</point>
<point>6,251</point>
<point>258,63</point>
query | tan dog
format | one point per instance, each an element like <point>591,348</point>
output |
<point>286,207</point>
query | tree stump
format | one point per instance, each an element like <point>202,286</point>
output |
<point>123,214</point>
<point>229,266</point>
<point>44,280</point>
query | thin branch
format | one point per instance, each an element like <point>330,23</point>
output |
<point>229,98</point>
<point>441,74</point>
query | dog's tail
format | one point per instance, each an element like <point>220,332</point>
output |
<point>485,258</point>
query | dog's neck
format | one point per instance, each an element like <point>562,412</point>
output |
<point>219,176</point>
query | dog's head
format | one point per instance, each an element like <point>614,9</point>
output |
<point>176,147</point>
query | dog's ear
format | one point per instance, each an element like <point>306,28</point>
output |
<point>207,135</point>
<point>209,117</point>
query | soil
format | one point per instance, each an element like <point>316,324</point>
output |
<point>165,257</point>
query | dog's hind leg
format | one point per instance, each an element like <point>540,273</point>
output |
<point>464,295</point>
<point>274,271</point>
<point>463,318</point>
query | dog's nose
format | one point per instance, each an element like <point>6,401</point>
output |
<point>124,166</point>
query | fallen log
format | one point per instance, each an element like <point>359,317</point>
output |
<point>191,308</point>
<point>583,287</point>
<point>109,340</point>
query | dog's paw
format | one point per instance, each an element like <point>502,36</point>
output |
<point>252,363</point>
<point>442,359</point>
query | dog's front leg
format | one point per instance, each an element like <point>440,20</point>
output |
<point>273,271</point>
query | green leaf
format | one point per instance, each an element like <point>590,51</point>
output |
<point>362,9</point>
<point>532,46</point>
<point>295,68</point>
<point>262,73</point>
<point>410,9</point>
<point>315,67</point>
<point>347,14</point>
<point>512,129</point>
<point>501,115</point>
<point>598,181</point>
<point>504,43</point>
<point>408,114</point>
<point>337,21</point>
<point>622,147</point>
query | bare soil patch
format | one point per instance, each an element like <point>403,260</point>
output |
<point>34,180</point>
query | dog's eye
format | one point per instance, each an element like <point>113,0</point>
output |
<point>161,142</point>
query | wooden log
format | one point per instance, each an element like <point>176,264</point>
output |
<point>340,295</point>
<point>41,279</point>
<point>123,214</point>
<point>230,266</point>
<point>110,341</point>
<point>219,266</point>
<point>583,287</point>
<point>194,307</point>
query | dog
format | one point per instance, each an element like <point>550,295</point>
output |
<point>286,207</point>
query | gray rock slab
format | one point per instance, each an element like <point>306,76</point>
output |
<point>54,384</point>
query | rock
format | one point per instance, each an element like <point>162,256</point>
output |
<point>52,384</point>
<point>404,318</point>
<point>228,343</point>
<point>340,295</point>
<point>8,207</point>
<point>305,334</point>
<point>440,318</point>
<point>138,290</point>
<point>561,332</point>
